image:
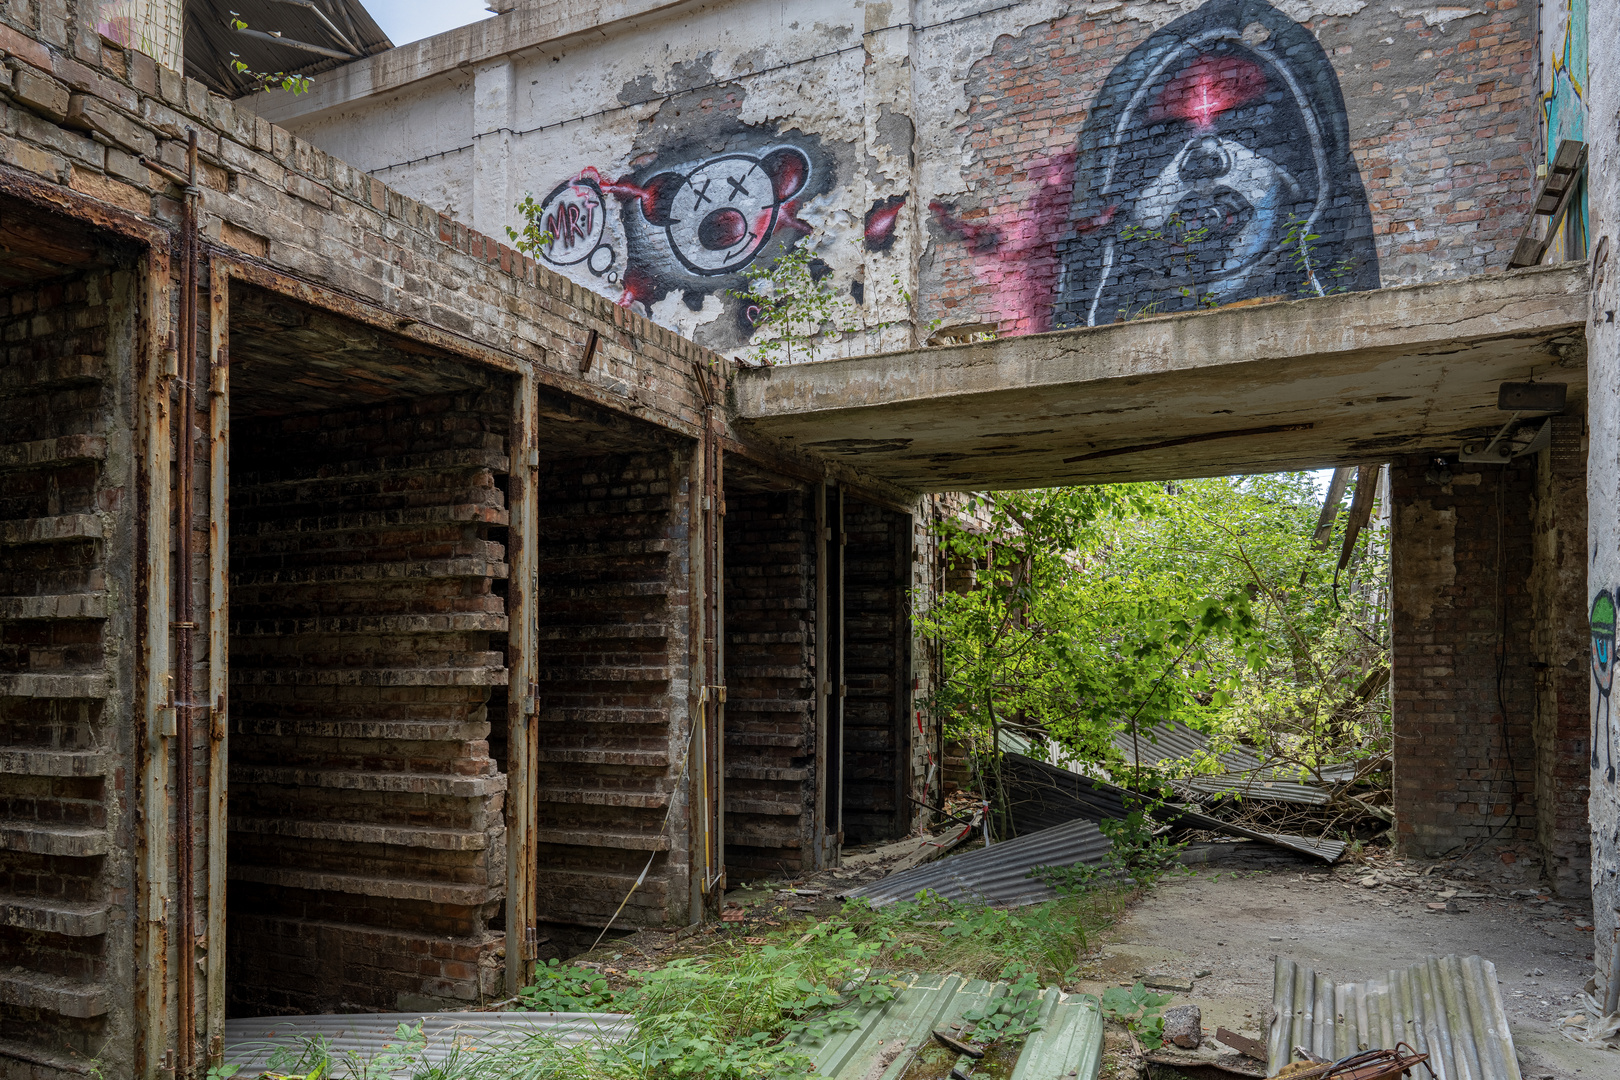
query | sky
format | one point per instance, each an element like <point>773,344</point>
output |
<point>407,20</point>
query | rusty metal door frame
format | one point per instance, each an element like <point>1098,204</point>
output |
<point>153,895</point>
<point>522,793</point>
<point>219,444</point>
<point>523,707</point>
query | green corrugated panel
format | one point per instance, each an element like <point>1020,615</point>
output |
<point>1068,1043</point>
<point>888,1036</point>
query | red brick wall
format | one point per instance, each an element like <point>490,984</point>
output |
<point>614,617</point>
<point>770,564</point>
<point>1463,610</point>
<point>877,654</point>
<point>65,654</point>
<point>367,846</point>
<point>1563,669</point>
<point>1441,122</point>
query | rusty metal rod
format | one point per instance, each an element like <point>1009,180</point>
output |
<point>185,625</point>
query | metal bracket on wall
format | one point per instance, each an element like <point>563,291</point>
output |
<point>1503,449</point>
<point>1557,192</point>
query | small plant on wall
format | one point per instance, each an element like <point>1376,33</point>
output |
<point>792,306</point>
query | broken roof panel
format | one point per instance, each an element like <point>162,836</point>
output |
<point>251,1041</point>
<point>998,874</point>
<point>1043,795</point>
<point>307,37</point>
<point>1245,772</point>
<point>1446,1007</point>
<point>889,1035</point>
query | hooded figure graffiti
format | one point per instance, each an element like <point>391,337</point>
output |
<point>1214,149</point>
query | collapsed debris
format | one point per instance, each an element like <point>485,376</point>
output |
<point>1041,795</point>
<point>998,874</point>
<point>1244,773</point>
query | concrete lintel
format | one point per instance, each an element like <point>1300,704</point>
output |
<point>1294,384</point>
<point>525,27</point>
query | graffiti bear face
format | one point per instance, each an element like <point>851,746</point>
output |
<point>718,216</point>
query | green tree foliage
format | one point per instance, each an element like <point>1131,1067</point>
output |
<point>1119,608</point>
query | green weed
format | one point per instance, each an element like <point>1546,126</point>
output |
<point>1138,1009</point>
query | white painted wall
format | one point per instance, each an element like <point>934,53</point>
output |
<point>1603,461</point>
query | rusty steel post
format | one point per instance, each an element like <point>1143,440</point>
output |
<point>152,972</point>
<point>522,695</point>
<point>219,437</point>
<point>185,626</point>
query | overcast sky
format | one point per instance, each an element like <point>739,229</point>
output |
<point>408,20</point>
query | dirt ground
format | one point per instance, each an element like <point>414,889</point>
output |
<point>1231,918</point>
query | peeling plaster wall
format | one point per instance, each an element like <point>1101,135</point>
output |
<point>1603,464</point>
<point>962,166</point>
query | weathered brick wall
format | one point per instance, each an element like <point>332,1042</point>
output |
<point>1437,127</point>
<point>770,567</point>
<point>66,660</point>
<point>1000,164</point>
<point>1562,660</point>
<point>877,713</point>
<point>1462,651</point>
<point>613,602</point>
<point>367,847</point>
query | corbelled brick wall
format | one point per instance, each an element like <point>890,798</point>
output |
<point>66,534</point>
<point>770,563</point>
<point>367,848</point>
<point>614,611</point>
<point>1464,616</point>
<point>877,654</point>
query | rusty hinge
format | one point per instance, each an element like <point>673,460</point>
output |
<point>216,1049</point>
<point>531,943</point>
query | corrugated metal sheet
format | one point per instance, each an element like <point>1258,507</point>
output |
<point>998,874</point>
<point>1043,795</point>
<point>250,1042</point>
<point>1447,1007</point>
<point>888,1036</point>
<point>1245,772</point>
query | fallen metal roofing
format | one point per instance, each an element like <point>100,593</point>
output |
<point>1043,795</point>
<point>998,874</point>
<point>250,1042</point>
<point>1446,1007</point>
<point>1245,773</point>
<point>890,1035</point>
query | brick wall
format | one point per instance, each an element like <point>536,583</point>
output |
<point>367,846</point>
<point>1438,126</point>
<point>877,706</point>
<point>614,614</point>
<point>770,567</point>
<point>1562,663</point>
<point>1463,611</point>
<point>66,656</point>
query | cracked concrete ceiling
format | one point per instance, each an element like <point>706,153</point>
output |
<point>1354,378</point>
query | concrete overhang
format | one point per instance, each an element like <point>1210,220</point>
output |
<point>1353,378</point>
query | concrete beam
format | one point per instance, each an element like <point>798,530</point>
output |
<point>1358,377</point>
<point>523,28</point>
